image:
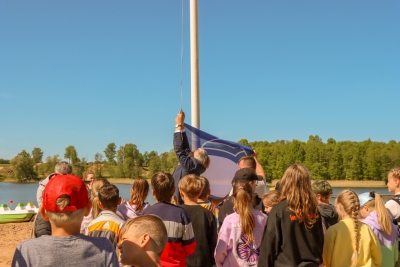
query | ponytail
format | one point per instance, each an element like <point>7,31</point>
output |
<point>139,191</point>
<point>377,205</point>
<point>97,184</point>
<point>243,194</point>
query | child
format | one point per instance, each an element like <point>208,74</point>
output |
<point>323,191</point>
<point>350,242</point>
<point>134,207</point>
<point>270,199</point>
<point>181,242</point>
<point>377,217</point>
<point>393,205</point>
<point>108,223</point>
<point>239,238</point>
<point>294,234</point>
<point>203,222</point>
<point>95,210</point>
<point>143,240</point>
<point>202,200</point>
<point>65,202</point>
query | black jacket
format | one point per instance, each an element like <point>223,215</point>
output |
<point>329,215</point>
<point>286,242</point>
<point>187,165</point>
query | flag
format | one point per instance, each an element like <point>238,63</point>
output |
<point>224,156</point>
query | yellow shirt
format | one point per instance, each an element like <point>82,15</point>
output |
<point>339,245</point>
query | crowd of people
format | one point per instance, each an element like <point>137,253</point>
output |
<point>84,222</point>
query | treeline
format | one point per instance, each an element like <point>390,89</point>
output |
<point>344,160</point>
<point>125,162</point>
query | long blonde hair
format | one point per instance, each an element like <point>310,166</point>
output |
<point>351,206</point>
<point>296,189</point>
<point>243,195</point>
<point>139,191</point>
<point>377,205</point>
<point>97,184</point>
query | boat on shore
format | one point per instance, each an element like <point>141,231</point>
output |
<point>21,213</point>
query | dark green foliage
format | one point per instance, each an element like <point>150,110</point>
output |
<point>4,161</point>
<point>23,167</point>
<point>332,160</point>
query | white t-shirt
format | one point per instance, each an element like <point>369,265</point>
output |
<point>393,208</point>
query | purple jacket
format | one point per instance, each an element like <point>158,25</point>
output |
<point>129,211</point>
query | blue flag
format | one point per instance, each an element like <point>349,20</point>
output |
<point>224,156</point>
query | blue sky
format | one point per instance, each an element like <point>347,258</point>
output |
<point>87,73</point>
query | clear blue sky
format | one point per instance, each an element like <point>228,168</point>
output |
<point>87,73</point>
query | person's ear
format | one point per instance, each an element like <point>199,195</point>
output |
<point>119,200</point>
<point>209,192</point>
<point>181,194</point>
<point>100,205</point>
<point>144,240</point>
<point>88,208</point>
<point>43,212</point>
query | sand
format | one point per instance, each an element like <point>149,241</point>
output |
<point>11,235</point>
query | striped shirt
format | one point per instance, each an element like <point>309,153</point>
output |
<point>181,242</point>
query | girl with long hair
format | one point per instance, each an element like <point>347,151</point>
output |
<point>376,216</point>
<point>293,235</point>
<point>97,183</point>
<point>350,242</point>
<point>240,235</point>
<point>136,205</point>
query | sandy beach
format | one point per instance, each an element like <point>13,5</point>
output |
<point>12,234</point>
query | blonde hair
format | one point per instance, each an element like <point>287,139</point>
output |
<point>202,157</point>
<point>151,225</point>
<point>296,189</point>
<point>139,191</point>
<point>97,184</point>
<point>174,200</point>
<point>243,195</point>
<point>271,198</point>
<point>395,172</point>
<point>191,185</point>
<point>377,205</point>
<point>62,217</point>
<point>348,199</point>
<point>206,187</point>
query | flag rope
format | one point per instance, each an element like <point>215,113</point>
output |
<point>182,31</point>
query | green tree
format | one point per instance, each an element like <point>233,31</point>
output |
<point>71,155</point>
<point>98,159</point>
<point>37,155</point>
<point>154,165</point>
<point>23,167</point>
<point>120,162</point>
<point>111,152</point>
<point>51,162</point>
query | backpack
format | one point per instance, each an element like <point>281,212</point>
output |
<point>396,221</point>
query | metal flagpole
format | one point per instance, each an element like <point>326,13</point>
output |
<point>194,68</point>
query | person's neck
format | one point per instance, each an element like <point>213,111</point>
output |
<point>323,202</point>
<point>199,200</point>
<point>65,230</point>
<point>111,209</point>
<point>150,260</point>
<point>190,201</point>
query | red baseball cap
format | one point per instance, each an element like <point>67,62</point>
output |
<point>69,185</point>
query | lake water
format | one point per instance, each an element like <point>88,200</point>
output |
<point>26,192</point>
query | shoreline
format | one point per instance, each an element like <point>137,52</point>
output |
<point>333,183</point>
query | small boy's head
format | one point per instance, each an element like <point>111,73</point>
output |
<point>65,200</point>
<point>140,235</point>
<point>206,188</point>
<point>270,199</point>
<point>322,190</point>
<point>163,186</point>
<point>108,196</point>
<point>191,186</point>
